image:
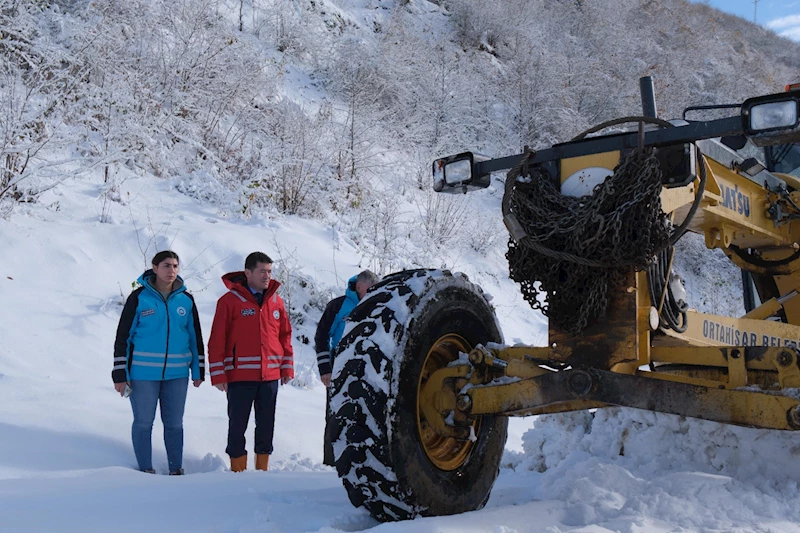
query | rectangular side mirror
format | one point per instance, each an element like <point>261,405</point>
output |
<point>458,173</point>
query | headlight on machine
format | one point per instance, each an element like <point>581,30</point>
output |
<point>773,115</point>
<point>772,119</point>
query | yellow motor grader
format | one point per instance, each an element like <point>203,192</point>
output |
<point>423,384</point>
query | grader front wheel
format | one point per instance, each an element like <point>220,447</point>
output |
<point>389,459</point>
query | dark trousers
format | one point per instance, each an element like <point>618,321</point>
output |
<point>327,445</point>
<point>242,395</point>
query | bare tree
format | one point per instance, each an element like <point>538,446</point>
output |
<point>35,79</point>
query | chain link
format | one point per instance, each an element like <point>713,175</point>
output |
<point>577,249</point>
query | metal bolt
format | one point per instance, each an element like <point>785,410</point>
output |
<point>736,354</point>
<point>580,383</point>
<point>785,358</point>
<point>464,403</point>
<point>793,417</point>
<point>476,357</point>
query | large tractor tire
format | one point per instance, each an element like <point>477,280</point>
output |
<point>411,324</point>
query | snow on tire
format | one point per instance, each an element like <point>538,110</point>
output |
<point>381,455</point>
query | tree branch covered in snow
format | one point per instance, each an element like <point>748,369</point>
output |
<point>322,108</point>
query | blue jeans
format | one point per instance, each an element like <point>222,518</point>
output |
<point>171,395</point>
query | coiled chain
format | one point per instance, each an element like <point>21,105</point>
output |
<point>574,250</point>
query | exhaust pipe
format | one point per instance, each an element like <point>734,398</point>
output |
<point>648,96</point>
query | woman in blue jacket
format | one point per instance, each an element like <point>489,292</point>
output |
<point>158,342</point>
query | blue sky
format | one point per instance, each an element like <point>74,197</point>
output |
<point>782,16</point>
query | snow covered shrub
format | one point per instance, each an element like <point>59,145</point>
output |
<point>294,162</point>
<point>36,77</point>
<point>443,216</point>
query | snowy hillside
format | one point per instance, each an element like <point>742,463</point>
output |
<point>64,275</point>
<point>66,462</point>
<point>306,129</point>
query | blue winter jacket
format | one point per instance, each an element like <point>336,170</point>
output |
<point>158,338</point>
<point>331,326</point>
<point>350,302</point>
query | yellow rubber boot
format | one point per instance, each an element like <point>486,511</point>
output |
<point>262,461</point>
<point>239,464</point>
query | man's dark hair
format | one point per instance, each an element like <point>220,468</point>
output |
<point>254,259</point>
<point>165,254</point>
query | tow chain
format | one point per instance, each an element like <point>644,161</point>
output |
<point>567,253</point>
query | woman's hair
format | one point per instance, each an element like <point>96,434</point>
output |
<point>166,254</point>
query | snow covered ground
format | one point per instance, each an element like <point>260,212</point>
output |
<point>66,461</point>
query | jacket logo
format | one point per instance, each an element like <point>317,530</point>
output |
<point>276,314</point>
<point>181,311</point>
<point>147,312</point>
<point>248,312</point>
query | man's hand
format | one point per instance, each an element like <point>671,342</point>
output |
<point>326,380</point>
<point>222,386</point>
<point>120,388</point>
<point>285,380</point>
<point>197,382</point>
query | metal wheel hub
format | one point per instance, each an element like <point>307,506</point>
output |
<point>446,453</point>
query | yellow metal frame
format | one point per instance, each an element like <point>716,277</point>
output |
<point>625,357</point>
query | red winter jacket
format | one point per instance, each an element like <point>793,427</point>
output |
<point>249,343</point>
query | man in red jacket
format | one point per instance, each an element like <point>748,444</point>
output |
<point>249,352</point>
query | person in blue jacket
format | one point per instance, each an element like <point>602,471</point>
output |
<point>329,332</point>
<point>158,343</point>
